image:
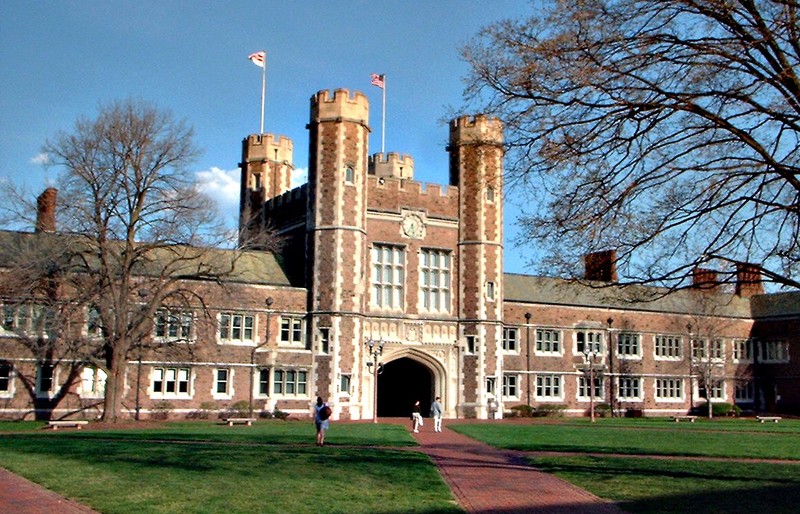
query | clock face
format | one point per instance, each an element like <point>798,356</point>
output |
<point>412,226</point>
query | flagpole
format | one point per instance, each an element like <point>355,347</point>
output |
<point>263,90</point>
<point>383,117</point>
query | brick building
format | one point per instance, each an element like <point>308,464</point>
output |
<point>388,290</point>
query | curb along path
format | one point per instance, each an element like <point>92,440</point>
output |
<point>486,480</point>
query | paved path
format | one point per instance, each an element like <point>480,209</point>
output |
<point>21,496</point>
<point>486,480</point>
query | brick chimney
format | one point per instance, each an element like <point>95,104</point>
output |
<point>703,278</point>
<point>601,266</point>
<point>748,280</point>
<point>46,210</point>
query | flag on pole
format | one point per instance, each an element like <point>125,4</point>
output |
<point>258,58</point>
<point>378,80</point>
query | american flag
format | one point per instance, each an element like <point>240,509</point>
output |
<point>378,80</point>
<point>258,58</point>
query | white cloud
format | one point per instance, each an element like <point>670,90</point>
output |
<point>299,177</point>
<point>41,159</point>
<point>221,185</point>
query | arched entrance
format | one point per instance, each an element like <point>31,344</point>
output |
<point>402,382</point>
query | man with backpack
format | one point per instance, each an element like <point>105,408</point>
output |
<point>322,412</point>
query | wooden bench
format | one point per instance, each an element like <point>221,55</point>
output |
<point>238,421</point>
<point>67,423</point>
<point>690,419</point>
<point>774,419</point>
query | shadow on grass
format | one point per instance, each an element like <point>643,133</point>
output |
<point>658,485</point>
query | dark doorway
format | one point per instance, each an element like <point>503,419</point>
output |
<point>402,382</point>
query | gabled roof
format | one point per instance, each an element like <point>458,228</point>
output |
<point>250,267</point>
<point>559,291</point>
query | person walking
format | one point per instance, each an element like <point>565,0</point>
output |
<point>436,413</point>
<point>321,415</point>
<point>416,417</point>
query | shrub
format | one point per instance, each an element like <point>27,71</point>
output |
<point>162,410</point>
<point>279,414</point>
<point>548,410</point>
<point>522,411</point>
<point>204,412</point>
<point>602,410</point>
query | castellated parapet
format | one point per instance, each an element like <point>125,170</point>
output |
<point>393,165</point>
<point>265,147</point>
<point>342,106</point>
<point>480,129</point>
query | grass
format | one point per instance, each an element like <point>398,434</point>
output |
<point>204,467</point>
<point>653,484</point>
<point>742,438</point>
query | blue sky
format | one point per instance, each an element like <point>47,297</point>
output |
<point>60,60</point>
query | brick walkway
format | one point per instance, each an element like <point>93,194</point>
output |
<point>484,480</point>
<point>21,496</point>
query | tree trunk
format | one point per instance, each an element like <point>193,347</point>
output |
<point>115,386</point>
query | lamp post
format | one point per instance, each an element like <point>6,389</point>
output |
<point>589,355</point>
<point>269,302</point>
<point>374,351</point>
<point>528,355</point>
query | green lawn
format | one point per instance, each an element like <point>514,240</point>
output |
<point>652,484</point>
<point>203,467</point>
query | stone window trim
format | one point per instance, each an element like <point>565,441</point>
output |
<point>7,382</point>
<point>669,390</point>
<point>171,382</point>
<point>668,347</point>
<point>549,387</point>
<point>630,389</point>
<point>628,345</point>
<point>548,342</point>
<point>93,382</point>
<point>231,322</point>
<point>510,344</point>
<point>582,391</point>
<point>223,378</point>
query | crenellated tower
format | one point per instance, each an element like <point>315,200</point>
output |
<point>336,241</point>
<point>266,173</point>
<point>476,167</point>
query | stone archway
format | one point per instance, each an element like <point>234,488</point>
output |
<point>402,382</point>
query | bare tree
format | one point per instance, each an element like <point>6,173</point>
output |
<point>666,129</point>
<point>132,229</point>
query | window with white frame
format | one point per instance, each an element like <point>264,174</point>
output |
<point>583,387</point>
<point>699,350</point>
<point>292,331</point>
<point>548,341</point>
<point>388,276</point>
<point>435,287</point>
<point>6,379</point>
<point>94,326</point>
<point>170,382</point>
<point>629,345</point>
<point>589,340</point>
<point>324,340</point>
<point>715,390</point>
<point>174,324</point>
<point>491,385</point>
<point>472,345</point>
<point>28,319</point>
<point>745,392</point>
<point>345,379</point>
<point>290,382</point>
<point>630,388</point>
<point>510,339</point>
<point>490,291</point>
<point>771,352</point>
<point>743,350</point>
<point>510,385</point>
<point>93,382</point>
<point>263,382</point>
<point>45,379</point>
<point>668,347</point>
<point>237,327</point>
<point>222,382</point>
<point>669,389</point>
<point>716,349</point>
<point>548,387</point>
